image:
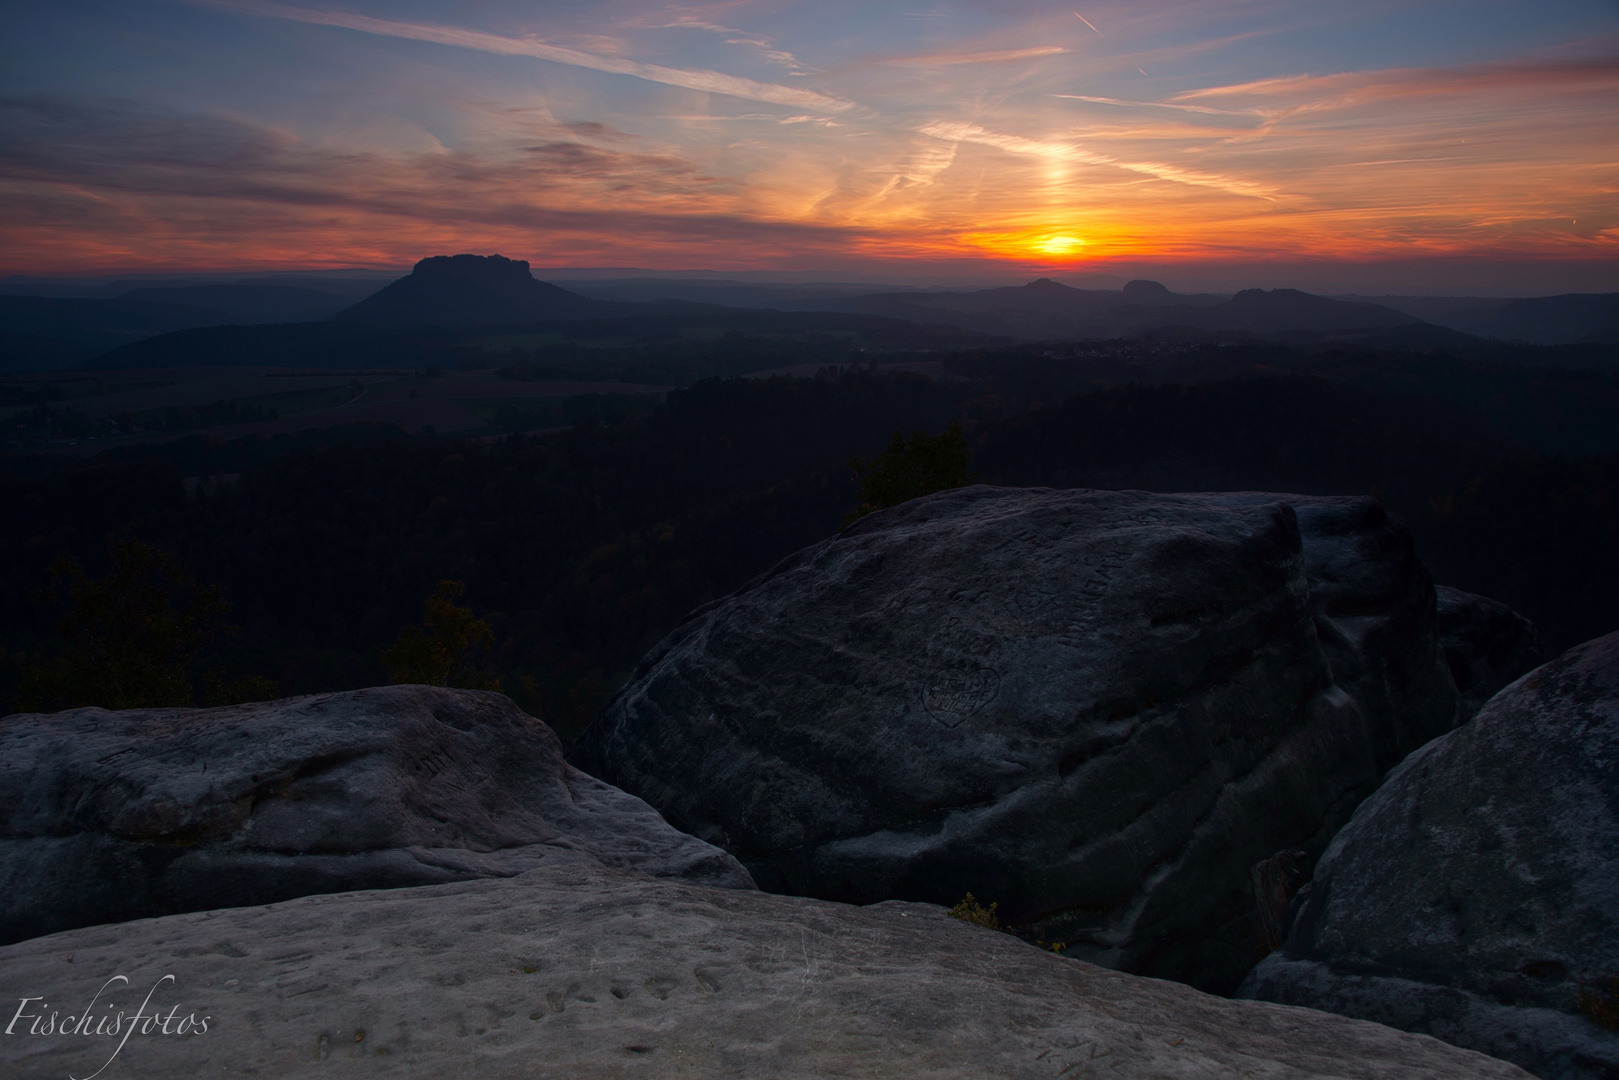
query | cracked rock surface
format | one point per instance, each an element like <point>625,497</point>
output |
<point>1475,896</point>
<point>107,816</point>
<point>574,970</point>
<point>1097,709</point>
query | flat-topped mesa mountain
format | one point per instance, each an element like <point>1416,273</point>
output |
<point>1098,709</point>
<point>1043,294</point>
<point>454,290</point>
<point>111,816</point>
<point>574,970</point>
<point>1475,896</point>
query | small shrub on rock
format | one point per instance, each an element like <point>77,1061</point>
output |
<point>970,910</point>
<point>443,650</point>
<point>910,469</point>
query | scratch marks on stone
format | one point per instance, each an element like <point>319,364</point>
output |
<point>955,693</point>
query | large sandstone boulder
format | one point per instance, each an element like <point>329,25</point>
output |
<point>1486,643</point>
<point>573,971</point>
<point>1475,896</point>
<point>107,816</point>
<point>1097,709</point>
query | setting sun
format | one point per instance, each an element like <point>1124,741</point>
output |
<point>1059,245</point>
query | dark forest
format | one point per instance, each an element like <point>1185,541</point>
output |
<point>581,547</point>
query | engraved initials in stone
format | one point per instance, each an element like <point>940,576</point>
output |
<point>955,693</point>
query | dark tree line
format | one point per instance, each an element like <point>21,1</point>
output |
<point>580,549</point>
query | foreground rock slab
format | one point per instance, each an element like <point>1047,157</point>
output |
<point>1097,709</point>
<point>1475,896</point>
<point>579,971</point>
<point>107,816</point>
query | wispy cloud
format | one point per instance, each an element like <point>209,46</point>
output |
<point>711,82</point>
<point>1408,82</point>
<point>117,145</point>
<point>993,56</point>
<point>156,185</point>
<point>695,20</point>
<point>1206,110</point>
<point>1062,151</point>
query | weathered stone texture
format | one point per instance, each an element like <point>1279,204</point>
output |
<point>110,816</point>
<point>573,970</point>
<point>1099,709</point>
<point>1475,896</point>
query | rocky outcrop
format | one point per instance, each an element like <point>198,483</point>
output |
<point>111,816</point>
<point>1486,643</point>
<point>1475,896</point>
<point>1098,709</point>
<point>573,970</point>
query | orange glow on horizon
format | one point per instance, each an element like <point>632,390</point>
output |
<point>365,240</point>
<point>984,156</point>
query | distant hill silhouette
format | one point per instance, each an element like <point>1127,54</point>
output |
<point>249,303</point>
<point>1142,291</point>
<point>1552,320</point>
<point>1042,294</point>
<point>1566,319</point>
<point>1028,310</point>
<point>1049,310</point>
<point>1289,309</point>
<point>45,333</point>
<point>463,290</point>
<point>437,314</point>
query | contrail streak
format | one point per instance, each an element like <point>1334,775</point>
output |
<point>1088,23</point>
<point>1153,104</point>
<point>712,82</point>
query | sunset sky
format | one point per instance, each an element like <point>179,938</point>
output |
<point>1449,137</point>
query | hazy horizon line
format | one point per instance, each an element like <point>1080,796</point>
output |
<point>1436,276</point>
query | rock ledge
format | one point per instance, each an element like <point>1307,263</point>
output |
<point>575,970</point>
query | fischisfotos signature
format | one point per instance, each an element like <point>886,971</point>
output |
<point>35,1017</point>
